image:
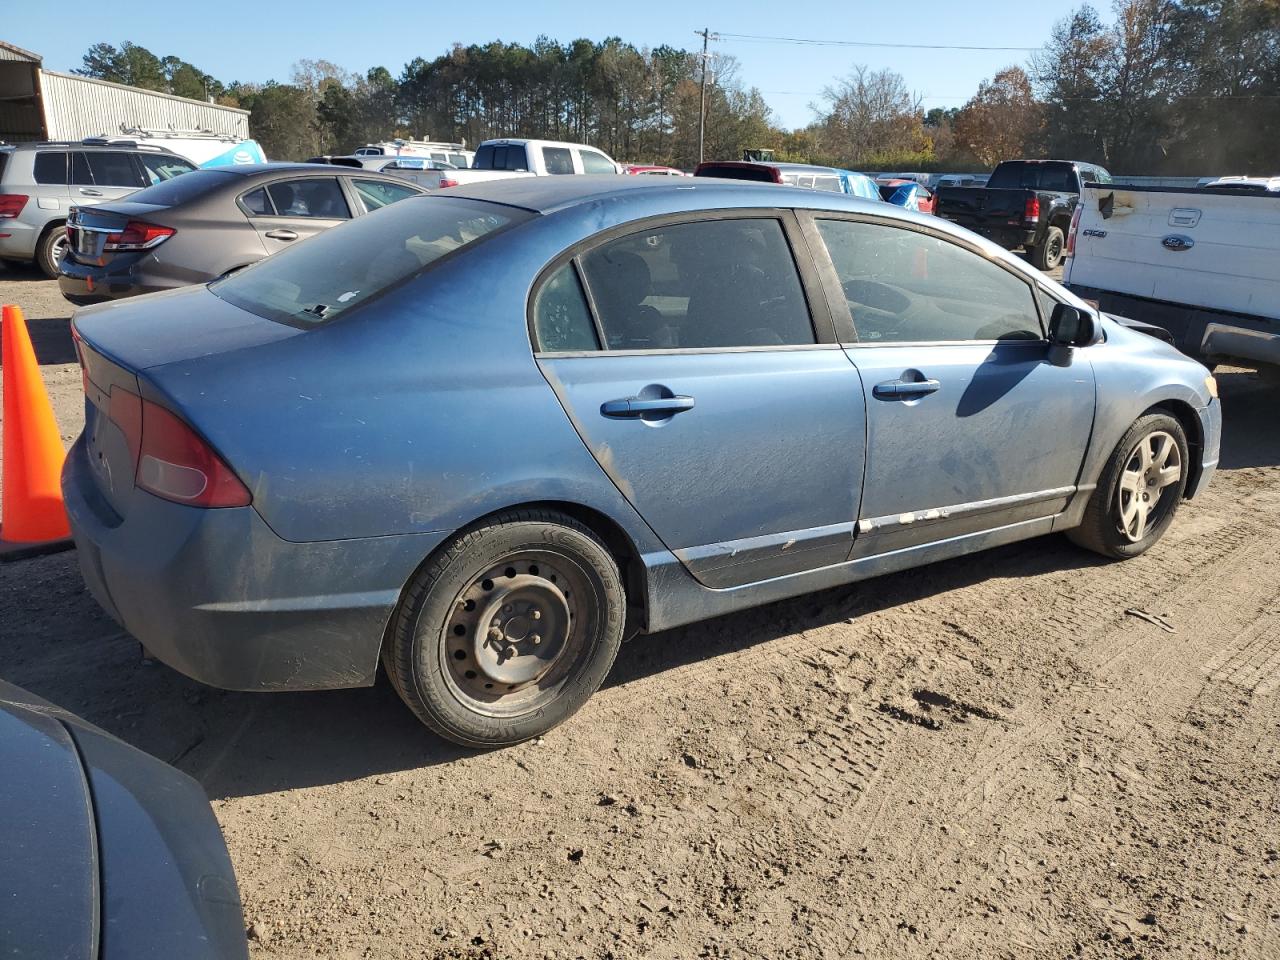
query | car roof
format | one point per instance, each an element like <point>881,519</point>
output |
<point>282,166</point>
<point>552,194</point>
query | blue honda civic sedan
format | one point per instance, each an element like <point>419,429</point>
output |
<point>481,437</point>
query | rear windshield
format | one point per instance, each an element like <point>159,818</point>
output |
<point>317,281</point>
<point>180,189</point>
<point>757,174</point>
<point>501,157</point>
<point>1032,176</point>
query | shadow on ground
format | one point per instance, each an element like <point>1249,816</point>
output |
<point>50,329</point>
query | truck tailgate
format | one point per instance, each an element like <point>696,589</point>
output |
<point>970,205</point>
<point>1202,248</point>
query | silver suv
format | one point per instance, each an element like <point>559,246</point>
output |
<point>39,182</point>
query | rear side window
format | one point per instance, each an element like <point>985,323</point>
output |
<point>4,160</point>
<point>561,319</point>
<point>593,162</point>
<point>160,167</point>
<point>256,203</point>
<point>315,197</point>
<point>80,172</point>
<point>711,284</point>
<point>903,286</point>
<point>558,160</point>
<point>169,193</point>
<point>317,281</point>
<point>51,166</point>
<point>111,168</point>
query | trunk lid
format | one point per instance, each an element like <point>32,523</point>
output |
<point>88,228</point>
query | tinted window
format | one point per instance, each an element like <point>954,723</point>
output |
<point>256,203</point>
<point>80,174</point>
<point>111,168</point>
<point>593,162</point>
<point>319,280</point>
<point>318,197</point>
<point>169,193</point>
<point>904,286</point>
<point>504,157</point>
<point>558,160</point>
<point>160,167</point>
<point>561,320</point>
<point>51,167</point>
<point>726,172</point>
<point>379,193</point>
<point>1033,176</point>
<point>4,160</point>
<point>718,283</point>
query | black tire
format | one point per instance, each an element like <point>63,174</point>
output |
<point>1048,255</point>
<point>1103,528</point>
<point>457,683</point>
<point>48,250</point>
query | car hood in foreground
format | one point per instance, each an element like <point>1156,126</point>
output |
<point>105,851</point>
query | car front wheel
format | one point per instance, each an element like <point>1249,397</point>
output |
<point>1139,490</point>
<point>508,629</point>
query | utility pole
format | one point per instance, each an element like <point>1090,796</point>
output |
<point>706,35</point>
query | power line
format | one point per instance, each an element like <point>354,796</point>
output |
<point>759,38</point>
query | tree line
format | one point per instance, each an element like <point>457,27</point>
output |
<point>1170,86</point>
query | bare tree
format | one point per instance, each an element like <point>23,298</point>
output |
<point>869,113</point>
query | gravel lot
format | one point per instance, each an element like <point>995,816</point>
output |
<point>982,758</point>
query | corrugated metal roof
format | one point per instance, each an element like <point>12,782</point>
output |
<point>9,52</point>
<point>78,107</point>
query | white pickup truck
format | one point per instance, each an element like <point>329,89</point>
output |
<point>1201,262</point>
<point>525,158</point>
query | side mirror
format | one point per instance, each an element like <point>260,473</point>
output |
<point>1069,327</point>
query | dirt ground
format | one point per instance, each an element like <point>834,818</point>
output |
<point>982,758</point>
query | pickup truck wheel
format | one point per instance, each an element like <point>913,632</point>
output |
<point>1139,490</point>
<point>508,629</point>
<point>1047,255</point>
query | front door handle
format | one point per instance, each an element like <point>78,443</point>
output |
<point>904,389</point>
<point>630,408</point>
<point>282,235</point>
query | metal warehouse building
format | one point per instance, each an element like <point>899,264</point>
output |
<point>39,104</point>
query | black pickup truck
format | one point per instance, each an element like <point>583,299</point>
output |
<point>1026,203</point>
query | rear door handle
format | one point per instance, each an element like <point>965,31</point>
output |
<point>282,235</point>
<point>630,408</point>
<point>904,389</point>
<point>90,193</point>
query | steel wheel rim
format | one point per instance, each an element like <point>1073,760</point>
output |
<point>516,632</point>
<point>1143,498</point>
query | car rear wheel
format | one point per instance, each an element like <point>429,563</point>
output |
<point>508,630</point>
<point>52,245</point>
<point>1139,490</point>
<point>1048,255</point>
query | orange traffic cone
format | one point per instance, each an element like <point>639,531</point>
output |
<point>32,509</point>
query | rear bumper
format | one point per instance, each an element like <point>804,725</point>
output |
<point>216,595</point>
<point>20,242</point>
<point>1208,335</point>
<point>86,283</point>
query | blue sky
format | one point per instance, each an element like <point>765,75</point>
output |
<point>257,41</point>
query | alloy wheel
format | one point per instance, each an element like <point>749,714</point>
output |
<point>1142,499</point>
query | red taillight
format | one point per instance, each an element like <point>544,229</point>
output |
<point>1031,212</point>
<point>448,182</point>
<point>138,235</point>
<point>11,204</point>
<point>172,460</point>
<point>1071,232</point>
